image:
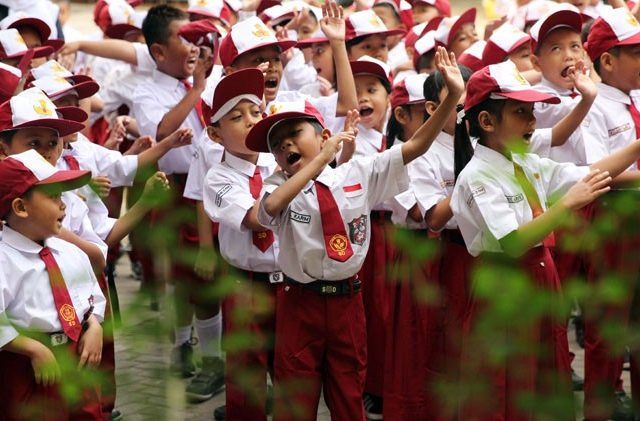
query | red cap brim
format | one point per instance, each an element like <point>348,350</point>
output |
<point>62,126</point>
<point>40,25</point>
<point>364,67</point>
<point>84,89</point>
<point>530,95</point>
<point>37,52</point>
<point>284,46</point>
<point>257,139</point>
<point>54,43</point>
<point>67,179</point>
<point>120,31</point>
<point>76,114</point>
<point>468,16</point>
<point>560,18</point>
<point>242,82</point>
<point>386,33</point>
<point>306,43</point>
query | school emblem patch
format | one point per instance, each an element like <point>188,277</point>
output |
<point>338,243</point>
<point>68,314</point>
<point>42,108</point>
<point>358,230</point>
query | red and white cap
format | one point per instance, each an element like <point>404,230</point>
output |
<point>504,41</point>
<point>235,5</point>
<point>220,98</point>
<point>58,87</point>
<point>216,9</point>
<point>20,172</point>
<point>279,13</point>
<point>562,15</point>
<point>472,56</point>
<point>420,29</point>
<point>32,108</point>
<point>201,33</point>
<point>503,81</point>
<point>449,27</point>
<point>613,28</point>
<point>258,138</point>
<point>422,46</point>
<point>365,23</point>
<point>535,10</point>
<point>9,80</point>
<point>409,91</point>
<point>366,65</point>
<point>50,68</point>
<point>317,38</point>
<point>118,19</point>
<point>402,8</point>
<point>21,19</point>
<point>443,6</point>
<point>248,35</point>
<point>265,4</point>
<point>13,46</point>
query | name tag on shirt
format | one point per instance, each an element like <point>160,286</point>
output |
<point>515,199</point>
<point>619,129</point>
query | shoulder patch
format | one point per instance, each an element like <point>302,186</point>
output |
<point>358,230</point>
<point>515,199</point>
<point>299,217</point>
<point>475,192</point>
<point>220,193</point>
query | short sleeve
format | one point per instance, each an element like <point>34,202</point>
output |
<point>388,176</point>
<point>7,331</point>
<point>595,134</point>
<point>146,64</point>
<point>224,199</point>
<point>427,184</point>
<point>541,142</point>
<point>147,111</point>
<point>270,185</point>
<point>120,169</point>
<point>559,177</point>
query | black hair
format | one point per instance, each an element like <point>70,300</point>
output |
<point>395,130</point>
<point>434,84</point>
<point>586,28</point>
<point>614,51</point>
<point>317,127</point>
<point>425,61</point>
<point>7,136</point>
<point>390,7</point>
<point>155,26</point>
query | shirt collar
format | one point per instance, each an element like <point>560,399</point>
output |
<point>371,136</point>
<point>549,86</point>
<point>327,176</point>
<point>241,165</point>
<point>613,94</point>
<point>493,158</point>
<point>163,79</point>
<point>19,242</point>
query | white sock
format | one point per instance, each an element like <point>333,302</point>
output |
<point>182,335</point>
<point>209,334</point>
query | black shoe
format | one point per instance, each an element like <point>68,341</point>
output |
<point>182,360</point>
<point>372,406</point>
<point>624,407</point>
<point>208,382</point>
<point>578,382</point>
<point>220,413</point>
<point>115,415</point>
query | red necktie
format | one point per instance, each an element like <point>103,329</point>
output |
<point>383,144</point>
<point>573,94</point>
<point>533,200</point>
<point>261,239</point>
<point>336,242</point>
<point>635,114</point>
<point>72,162</point>
<point>188,87</point>
<point>64,306</point>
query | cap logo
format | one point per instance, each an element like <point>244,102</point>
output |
<point>260,31</point>
<point>202,3</point>
<point>20,40</point>
<point>632,19</point>
<point>42,108</point>
<point>375,21</point>
<point>518,76</point>
<point>275,108</point>
<point>57,67</point>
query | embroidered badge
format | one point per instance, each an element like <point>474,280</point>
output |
<point>447,183</point>
<point>68,314</point>
<point>220,193</point>
<point>619,129</point>
<point>299,217</point>
<point>515,199</point>
<point>358,230</point>
<point>475,191</point>
<point>338,243</point>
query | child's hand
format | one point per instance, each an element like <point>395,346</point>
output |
<point>101,185</point>
<point>179,138</point>
<point>585,191</point>
<point>582,82</point>
<point>155,190</point>
<point>447,65</point>
<point>141,144</point>
<point>203,65</point>
<point>45,366</point>
<point>351,122</point>
<point>297,20</point>
<point>326,88</point>
<point>332,146</point>
<point>332,22</point>
<point>205,265</point>
<point>90,345</point>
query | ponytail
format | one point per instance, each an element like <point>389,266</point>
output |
<point>462,147</point>
<point>394,128</point>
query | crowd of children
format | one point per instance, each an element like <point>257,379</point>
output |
<point>361,201</point>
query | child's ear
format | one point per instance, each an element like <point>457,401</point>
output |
<point>536,62</point>
<point>212,132</point>
<point>606,61</point>
<point>18,207</point>
<point>157,52</point>
<point>401,115</point>
<point>430,107</point>
<point>326,134</point>
<point>486,122</point>
<point>228,70</point>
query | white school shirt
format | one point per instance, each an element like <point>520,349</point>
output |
<point>120,169</point>
<point>227,199</point>
<point>152,99</point>
<point>297,74</point>
<point>609,126</point>
<point>368,180</point>
<point>548,115</point>
<point>206,154</point>
<point>488,203</point>
<point>77,221</point>
<point>26,300</point>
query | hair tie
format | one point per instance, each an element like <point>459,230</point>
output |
<point>460,116</point>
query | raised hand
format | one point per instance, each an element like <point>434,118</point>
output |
<point>101,185</point>
<point>585,191</point>
<point>332,22</point>
<point>447,65</point>
<point>333,145</point>
<point>581,81</point>
<point>180,137</point>
<point>351,121</point>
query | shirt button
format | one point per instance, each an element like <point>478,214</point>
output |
<point>542,264</point>
<point>287,288</point>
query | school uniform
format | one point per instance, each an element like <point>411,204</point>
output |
<point>298,74</point>
<point>489,203</point>
<point>27,306</point>
<point>231,188</point>
<point>322,338</point>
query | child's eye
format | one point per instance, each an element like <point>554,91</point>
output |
<point>372,90</point>
<point>33,143</point>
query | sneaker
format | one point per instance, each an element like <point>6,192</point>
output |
<point>372,406</point>
<point>115,415</point>
<point>220,413</point>
<point>624,407</point>
<point>578,382</point>
<point>208,382</point>
<point>182,360</point>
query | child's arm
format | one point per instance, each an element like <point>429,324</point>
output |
<point>45,367</point>
<point>438,216</point>
<point>280,198</point>
<point>205,264</point>
<point>115,49</point>
<point>618,162</point>
<point>90,344</point>
<point>570,123</point>
<point>333,26</point>
<point>585,191</point>
<point>178,138</point>
<point>154,190</point>
<point>92,251</point>
<point>172,120</point>
<point>424,136</point>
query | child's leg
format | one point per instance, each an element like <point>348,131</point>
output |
<point>299,354</point>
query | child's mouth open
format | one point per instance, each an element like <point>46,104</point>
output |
<point>366,111</point>
<point>293,158</point>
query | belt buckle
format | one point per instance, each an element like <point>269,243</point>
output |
<point>329,289</point>
<point>276,277</point>
<point>58,339</point>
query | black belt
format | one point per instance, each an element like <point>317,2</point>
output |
<point>264,277</point>
<point>453,236</point>
<point>381,215</point>
<point>347,286</point>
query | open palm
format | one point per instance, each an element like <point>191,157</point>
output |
<point>332,23</point>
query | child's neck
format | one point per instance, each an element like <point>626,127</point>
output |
<point>26,228</point>
<point>494,144</point>
<point>610,80</point>
<point>249,157</point>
